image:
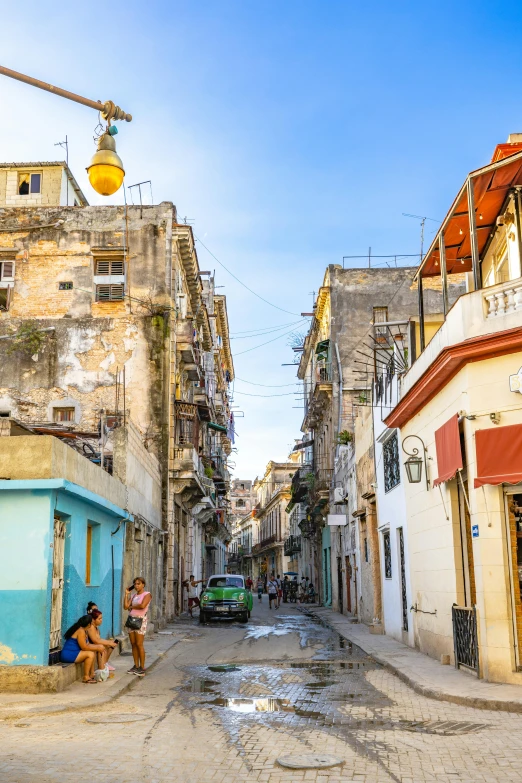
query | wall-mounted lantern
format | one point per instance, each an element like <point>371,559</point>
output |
<point>413,464</point>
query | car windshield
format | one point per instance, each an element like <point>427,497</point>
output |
<point>225,581</point>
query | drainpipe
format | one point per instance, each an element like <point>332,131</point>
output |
<point>340,369</point>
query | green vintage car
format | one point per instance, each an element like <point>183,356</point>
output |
<point>226,595</point>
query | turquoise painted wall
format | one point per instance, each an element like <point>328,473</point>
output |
<point>77,593</point>
<point>25,563</point>
<point>26,553</point>
<point>326,566</point>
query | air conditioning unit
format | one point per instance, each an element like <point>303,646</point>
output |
<point>339,495</point>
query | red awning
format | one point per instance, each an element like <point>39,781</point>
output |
<point>449,455</point>
<point>499,455</point>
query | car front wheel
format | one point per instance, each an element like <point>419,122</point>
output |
<point>202,617</point>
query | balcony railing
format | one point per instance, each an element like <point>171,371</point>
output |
<point>292,545</point>
<point>503,300</point>
<point>323,479</point>
<point>268,541</point>
<point>301,481</point>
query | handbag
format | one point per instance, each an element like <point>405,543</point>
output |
<point>134,623</point>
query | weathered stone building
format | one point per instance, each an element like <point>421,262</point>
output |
<point>108,330</point>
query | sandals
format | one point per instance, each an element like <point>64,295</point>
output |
<point>90,681</point>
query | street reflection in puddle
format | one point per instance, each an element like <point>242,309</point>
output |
<point>253,705</point>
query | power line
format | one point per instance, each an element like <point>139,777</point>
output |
<point>245,394</point>
<point>267,385</point>
<point>279,326</point>
<point>261,344</point>
<point>244,284</point>
<point>267,331</point>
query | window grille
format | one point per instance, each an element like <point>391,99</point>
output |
<point>392,467</point>
<point>386,544</point>
<point>109,293</point>
<point>109,266</point>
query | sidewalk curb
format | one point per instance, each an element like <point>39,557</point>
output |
<point>96,702</point>
<point>424,690</point>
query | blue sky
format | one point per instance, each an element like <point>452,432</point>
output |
<point>291,133</point>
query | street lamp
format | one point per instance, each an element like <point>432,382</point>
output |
<point>105,170</point>
<point>413,464</point>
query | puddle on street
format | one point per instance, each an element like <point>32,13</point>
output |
<point>252,705</point>
<point>201,685</point>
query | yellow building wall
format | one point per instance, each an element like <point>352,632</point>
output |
<point>435,541</point>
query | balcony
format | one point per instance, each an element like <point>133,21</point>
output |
<point>292,545</point>
<point>189,478</point>
<point>188,350</point>
<point>301,483</point>
<point>323,479</point>
<point>480,324</point>
<point>320,395</point>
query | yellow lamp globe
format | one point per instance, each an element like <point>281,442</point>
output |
<point>106,170</point>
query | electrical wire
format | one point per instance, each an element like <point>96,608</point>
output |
<point>241,282</point>
<point>267,331</point>
<point>245,394</point>
<point>282,326</point>
<point>261,344</point>
<point>267,385</point>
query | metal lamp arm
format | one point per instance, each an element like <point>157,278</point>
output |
<point>108,110</point>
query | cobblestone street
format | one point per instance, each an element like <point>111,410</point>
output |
<point>229,700</point>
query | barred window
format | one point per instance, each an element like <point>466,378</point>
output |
<point>109,266</point>
<point>386,545</point>
<point>392,467</point>
<point>109,293</point>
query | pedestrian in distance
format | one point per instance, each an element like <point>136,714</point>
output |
<point>272,591</point>
<point>78,649</point>
<point>279,590</point>
<point>311,594</point>
<point>94,635</point>
<point>286,585</point>
<point>138,606</point>
<point>249,583</point>
<point>193,597</point>
<point>260,587</point>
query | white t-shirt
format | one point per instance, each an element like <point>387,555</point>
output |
<point>272,587</point>
<point>193,590</point>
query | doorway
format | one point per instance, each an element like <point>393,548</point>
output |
<point>513,510</point>
<point>340,584</point>
<point>57,585</point>
<point>348,583</point>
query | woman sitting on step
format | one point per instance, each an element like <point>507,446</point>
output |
<point>77,648</point>
<point>95,638</point>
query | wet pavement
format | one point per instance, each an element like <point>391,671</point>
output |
<point>232,699</point>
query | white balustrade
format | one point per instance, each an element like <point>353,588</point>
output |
<point>507,300</point>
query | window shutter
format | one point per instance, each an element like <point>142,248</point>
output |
<point>116,267</point>
<point>116,293</point>
<point>103,293</point>
<point>7,269</point>
<point>103,266</point>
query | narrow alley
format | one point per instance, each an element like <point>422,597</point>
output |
<point>230,701</point>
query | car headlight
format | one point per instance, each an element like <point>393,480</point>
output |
<point>241,597</point>
<point>205,598</point>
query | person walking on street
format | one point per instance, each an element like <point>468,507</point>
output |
<point>260,587</point>
<point>279,591</point>
<point>272,591</point>
<point>136,624</point>
<point>249,583</point>
<point>192,587</point>
<point>285,586</point>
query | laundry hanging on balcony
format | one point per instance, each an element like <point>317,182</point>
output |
<point>449,454</point>
<point>499,455</point>
<point>218,427</point>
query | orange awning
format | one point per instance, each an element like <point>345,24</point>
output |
<point>491,185</point>
<point>499,455</point>
<point>449,454</point>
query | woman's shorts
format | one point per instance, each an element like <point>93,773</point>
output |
<point>143,628</point>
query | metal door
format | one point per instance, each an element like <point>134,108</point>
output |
<point>57,583</point>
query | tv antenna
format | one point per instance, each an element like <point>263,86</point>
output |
<point>423,220</point>
<point>138,185</point>
<point>65,145</point>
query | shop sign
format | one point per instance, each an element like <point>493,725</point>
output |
<point>474,531</point>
